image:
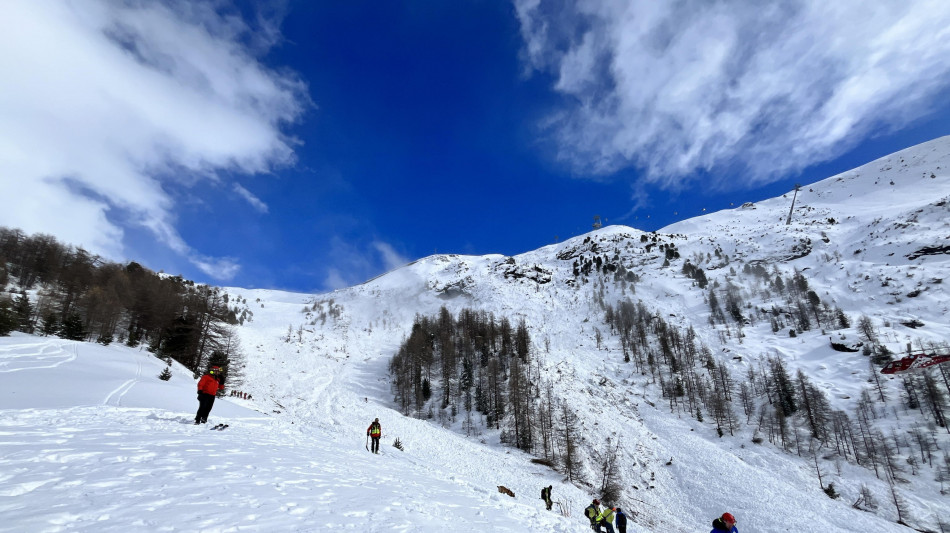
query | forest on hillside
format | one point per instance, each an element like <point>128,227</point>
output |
<point>481,369</point>
<point>50,288</point>
<point>894,435</point>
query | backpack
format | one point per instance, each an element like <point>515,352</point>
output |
<point>543,493</point>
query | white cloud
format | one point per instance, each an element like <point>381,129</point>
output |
<point>358,262</point>
<point>768,88</point>
<point>391,258</point>
<point>255,202</point>
<point>108,106</point>
<point>335,280</point>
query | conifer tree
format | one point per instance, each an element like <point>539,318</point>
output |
<point>8,321</point>
<point>50,324</point>
<point>24,313</point>
<point>73,328</point>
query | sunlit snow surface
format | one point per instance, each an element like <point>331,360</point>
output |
<point>92,440</point>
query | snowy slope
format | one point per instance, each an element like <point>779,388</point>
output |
<point>372,318</point>
<point>90,439</point>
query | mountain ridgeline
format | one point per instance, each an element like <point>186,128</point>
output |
<point>765,325</point>
<point>756,334</point>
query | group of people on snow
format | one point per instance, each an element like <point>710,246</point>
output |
<point>241,395</point>
<point>605,517</point>
<point>601,518</point>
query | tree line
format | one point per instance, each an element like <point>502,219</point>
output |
<point>788,410</point>
<point>66,291</point>
<point>481,370</point>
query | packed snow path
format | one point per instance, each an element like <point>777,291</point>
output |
<point>107,469</point>
<point>88,456</point>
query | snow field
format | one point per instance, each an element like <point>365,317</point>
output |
<point>99,467</point>
<point>91,440</point>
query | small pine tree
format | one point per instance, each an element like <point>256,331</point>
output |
<point>866,500</point>
<point>398,444</point>
<point>8,321</point>
<point>24,313</point>
<point>166,374</point>
<point>50,324</point>
<point>831,492</point>
<point>73,328</point>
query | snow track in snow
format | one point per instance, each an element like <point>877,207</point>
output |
<point>50,354</point>
<point>124,388</point>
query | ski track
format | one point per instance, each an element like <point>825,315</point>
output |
<point>123,389</point>
<point>49,354</point>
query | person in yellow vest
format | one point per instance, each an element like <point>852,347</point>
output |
<point>592,512</point>
<point>546,496</point>
<point>375,431</point>
<point>606,518</point>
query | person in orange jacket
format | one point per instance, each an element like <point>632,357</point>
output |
<point>375,431</point>
<point>207,390</point>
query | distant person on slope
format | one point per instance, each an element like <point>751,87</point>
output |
<point>621,521</point>
<point>724,524</point>
<point>592,512</point>
<point>374,431</point>
<point>546,496</point>
<point>207,389</point>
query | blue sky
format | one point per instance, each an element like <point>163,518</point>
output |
<point>317,144</point>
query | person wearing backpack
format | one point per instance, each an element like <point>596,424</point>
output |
<point>374,431</point>
<point>546,496</point>
<point>621,521</point>
<point>592,512</point>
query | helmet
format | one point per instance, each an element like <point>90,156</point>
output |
<point>214,369</point>
<point>726,517</point>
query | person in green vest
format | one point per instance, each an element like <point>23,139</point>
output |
<point>375,431</point>
<point>546,496</point>
<point>592,512</point>
<point>606,518</point>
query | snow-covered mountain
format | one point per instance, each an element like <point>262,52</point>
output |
<point>91,440</point>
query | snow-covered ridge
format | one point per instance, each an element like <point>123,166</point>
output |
<point>857,237</point>
<point>870,241</point>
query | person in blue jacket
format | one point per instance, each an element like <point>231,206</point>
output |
<point>724,524</point>
<point>621,521</point>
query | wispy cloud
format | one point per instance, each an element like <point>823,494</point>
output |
<point>108,106</point>
<point>255,202</point>
<point>391,258</point>
<point>766,88</point>
<point>355,262</point>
